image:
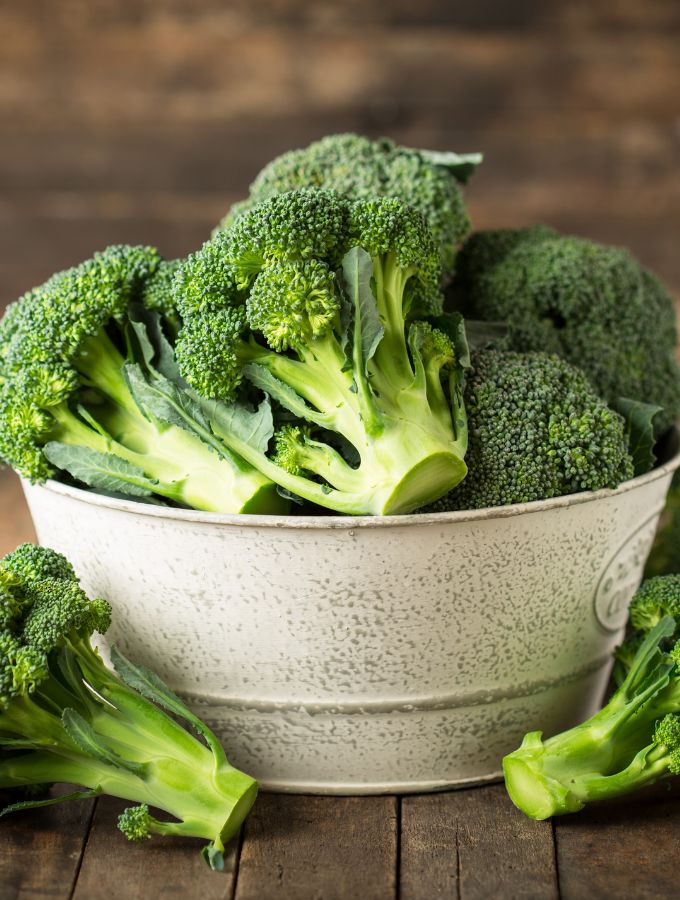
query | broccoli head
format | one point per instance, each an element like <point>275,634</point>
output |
<point>361,169</point>
<point>592,304</point>
<point>317,300</point>
<point>65,716</point>
<point>80,388</point>
<point>536,429</point>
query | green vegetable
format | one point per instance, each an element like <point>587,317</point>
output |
<point>65,716</point>
<point>78,358</point>
<point>362,169</point>
<point>317,301</point>
<point>634,741</point>
<point>593,305</point>
<point>536,430</point>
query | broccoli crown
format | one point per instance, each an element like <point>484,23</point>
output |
<point>157,288</point>
<point>657,597</point>
<point>360,168</point>
<point>274,272</point>
<point>42,607</point>
<point>536,429</point>
<point>65,716</point>
<point>311,297</point>
<point>592,304</point>
<point>40,346</point>
<point>667,735</point>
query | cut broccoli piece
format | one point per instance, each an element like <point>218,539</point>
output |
<point>634,741</point>
<point>79,361</point>
<point>65,716</point>
<point>592,304</point>
<point>536,429</point>
<point>361,169</point>
<point>315,300</point>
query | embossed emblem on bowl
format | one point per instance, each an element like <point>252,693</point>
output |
<point>621,576</point>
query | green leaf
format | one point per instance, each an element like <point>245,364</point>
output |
<point>213,857</point>
<point>149,685</point>
<point>461,165</point>
<point>640,431</point>
<point>148,327</point>
<point>454,327</point>
<point>283,393</point>
<point>368,330</point>
<point>254,427</point>
<point>52,801</point>
<point>84,735</point>
<point>158,397</point>
<point>103,471</point>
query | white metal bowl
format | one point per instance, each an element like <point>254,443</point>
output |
<point>367,655</point>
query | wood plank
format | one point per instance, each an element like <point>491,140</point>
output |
<point>162,71</point>
<point>15,521</point>
<point>299,848</point>
<point>485,14</point>
<point>113,868</point>
<point>624,848</point>
<point>41,850</point>
<point>473,844</point>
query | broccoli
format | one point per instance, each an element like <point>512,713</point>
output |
<point>594,305</point>
<point>362,169</point>
<point>536,429</point>
<point>634,741</point>
<point>315,300</point>
<point>65,716</point>
<point>76,363</point>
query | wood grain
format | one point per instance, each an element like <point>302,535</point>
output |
<point>624,848</point>
<point>41,850</point>
<point>474,844</point>
<point>113,868</point>
<point>15,521</point>
<point>319,848</point>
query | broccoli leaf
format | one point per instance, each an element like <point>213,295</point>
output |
<point>102,471</point>
<point>84,735</point>
<point>161,398</point>
<point>461,165</point>
<point>51,801</point>
<point>286,395</point>
<point>357,269</point>
<point>253,427</point>
<point>640,428</point>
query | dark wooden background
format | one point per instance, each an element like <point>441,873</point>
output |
<point>141,120</point>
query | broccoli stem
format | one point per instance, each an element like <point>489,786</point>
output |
<point>160,761</point>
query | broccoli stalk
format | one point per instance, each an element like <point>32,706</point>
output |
<point>68,351</point>
<point>332,287</point>
<point>633,741</point>
<point>65,716</point>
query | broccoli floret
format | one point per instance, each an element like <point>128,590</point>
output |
<point>315,299</point>
<point>80,390</point>
<point>360,168</point>
<point>594,305</point>
<point>634,741</point>
<point>67,717</point>
<point>536,429</point>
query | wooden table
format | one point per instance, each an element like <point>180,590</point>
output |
<point>462,844</point>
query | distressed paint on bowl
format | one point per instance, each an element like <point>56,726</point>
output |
<point>366,655</point>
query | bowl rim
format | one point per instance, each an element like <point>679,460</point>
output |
<point>250,520</point>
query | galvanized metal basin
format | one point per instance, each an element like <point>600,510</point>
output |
<point>367,655</point>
